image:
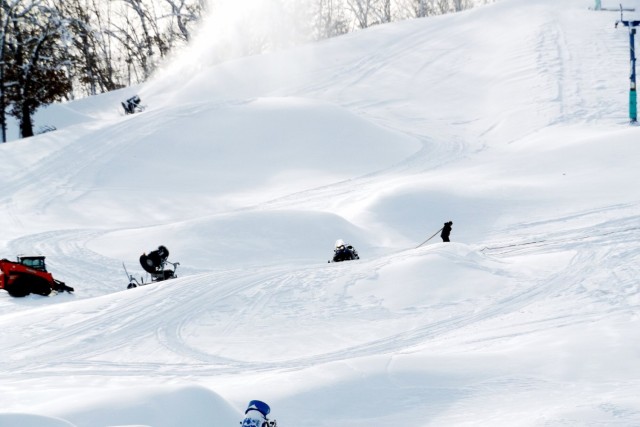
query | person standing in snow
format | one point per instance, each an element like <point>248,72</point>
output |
<point>446,231</point>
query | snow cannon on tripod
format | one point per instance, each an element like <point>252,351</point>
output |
<point>132,105</point>
<point>155,263</point>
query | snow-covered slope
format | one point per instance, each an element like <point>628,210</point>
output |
<point>509,120</point>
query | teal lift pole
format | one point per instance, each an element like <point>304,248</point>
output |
<point>633,96</point>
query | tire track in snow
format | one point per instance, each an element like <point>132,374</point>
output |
<point>557,286</point>
<point>124,321</point>
<point>213,364</point>
<point>601,280</point>
<point>171,334</point>
<point>71,261</point>
<point>131,318</point>
<point>611,243</point>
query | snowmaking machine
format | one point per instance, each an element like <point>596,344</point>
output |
<point>155,264</point>
<point>256,415</point>
<point>29,275</point>
<point>132,105</point>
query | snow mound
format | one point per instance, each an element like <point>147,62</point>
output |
<point>160,406</point>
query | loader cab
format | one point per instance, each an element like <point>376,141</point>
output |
<point>35,262</point>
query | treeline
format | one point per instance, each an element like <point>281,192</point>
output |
<point>54,50</point>
<point>335,17</point>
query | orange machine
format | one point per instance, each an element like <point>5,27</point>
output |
<point>28,275</point>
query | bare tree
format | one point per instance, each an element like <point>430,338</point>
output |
<point>109,73</point>
<point>423,8</point>
<point>383,11</point>
<point>361,10</point>
<point>141,43</point>
<point>91,67</point>
<point>8,10</point>
<point>442,6</point>
<point>330,19</point>
<point>460,5</point>
<point>185,14</point>
<point>35,71</point>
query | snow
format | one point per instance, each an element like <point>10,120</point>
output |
<point>510,120</point>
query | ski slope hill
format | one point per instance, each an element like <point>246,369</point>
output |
<point>510,120</point>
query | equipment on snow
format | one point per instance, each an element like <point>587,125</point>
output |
<point>154,263</point>
<point>434,235</point>
<point>29,275</point>
<point>132,105</point>
<point>344,252</point>
<point>256,415</point>
<point>633,96</point>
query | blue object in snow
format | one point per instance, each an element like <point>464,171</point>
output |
<point>260,406</point>
<point>256,415</point>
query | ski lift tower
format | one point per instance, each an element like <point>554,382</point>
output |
<point>633,98</point>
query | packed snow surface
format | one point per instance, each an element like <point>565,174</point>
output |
<point>509,120</point>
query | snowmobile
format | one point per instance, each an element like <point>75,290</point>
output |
<point>154,263</point>
<point>29,275</point>
<point>256,415</point>
<point>344,252</point>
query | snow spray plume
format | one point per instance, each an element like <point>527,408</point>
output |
<point>234,29</point>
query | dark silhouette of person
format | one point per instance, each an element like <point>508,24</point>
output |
<point>446,231</point>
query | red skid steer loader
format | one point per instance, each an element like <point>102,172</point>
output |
<point>28,275</point>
